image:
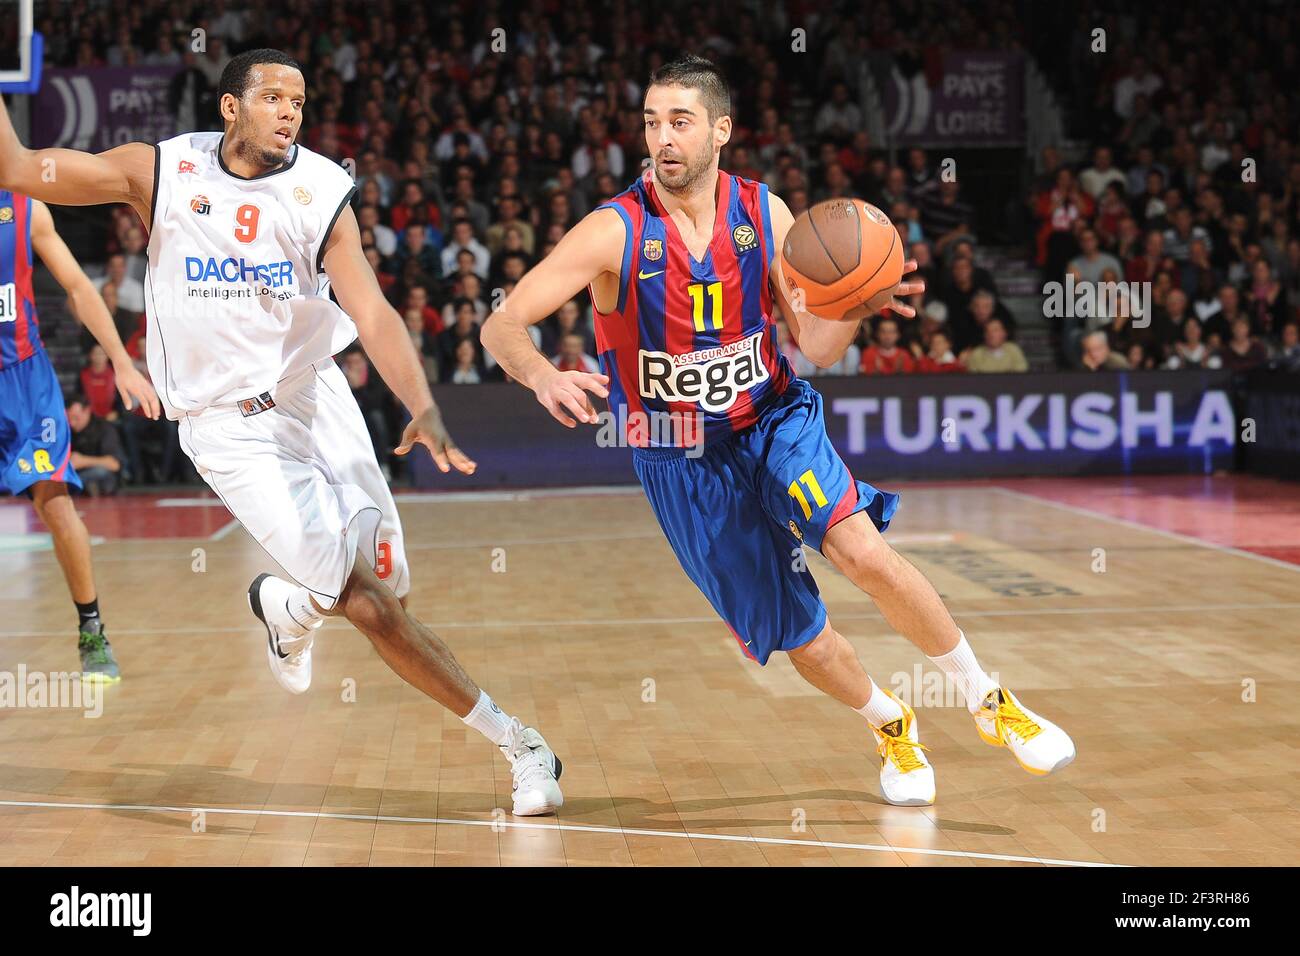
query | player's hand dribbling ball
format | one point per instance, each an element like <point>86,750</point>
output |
<point>839,255</point>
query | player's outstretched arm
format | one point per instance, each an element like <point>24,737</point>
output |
<point>825,341</point>
<point>69,177</point>
<point>90,309</point>
<point>388,345</point>
<point>592,247</point>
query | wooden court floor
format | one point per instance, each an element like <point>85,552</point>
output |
<point>1175,665</point>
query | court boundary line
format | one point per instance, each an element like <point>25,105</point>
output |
<point>560,827</point>
<point>709,619</point>
<point>1135,526</point>
<point>224,530</point>
<point>434,497</point>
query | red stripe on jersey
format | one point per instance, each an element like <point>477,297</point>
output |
<point>679,324</point>
<point>612,328</point>
<point>618,332</point>
<point>848,501</point>
<point>61,472</point>
<point>752,198</point>
<point>727,268</point>
<point>625,359</point>
<point>23,278</point>
<point>743,646</point>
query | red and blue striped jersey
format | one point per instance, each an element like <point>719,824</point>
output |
<point>19,336</point>
<point>691,346</point>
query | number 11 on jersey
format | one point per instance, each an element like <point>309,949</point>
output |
<point>809,481</point>
<point>700,293</point>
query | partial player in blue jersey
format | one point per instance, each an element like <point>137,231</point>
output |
<point>36,457</point>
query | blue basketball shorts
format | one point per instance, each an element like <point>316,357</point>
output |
<point>738,515</point>
<point>35,438</point>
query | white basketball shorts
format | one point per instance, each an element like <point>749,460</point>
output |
<point>302,479</point>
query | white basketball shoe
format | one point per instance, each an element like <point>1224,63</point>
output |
<point>536,771</point>
<point>288,642</point>
<point>1037,744</point>
<point>906,777</point>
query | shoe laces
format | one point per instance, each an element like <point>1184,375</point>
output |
<point>293,647</point>
<point>94,645</point>
<point>528,764</point>
<point>1010,719</point>
<point>901,750</point>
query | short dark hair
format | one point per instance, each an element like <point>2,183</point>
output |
<point>697,73</point>
<point>234,78</point>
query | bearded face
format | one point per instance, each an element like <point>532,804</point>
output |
<point>681,141</point>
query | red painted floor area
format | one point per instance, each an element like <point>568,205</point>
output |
<point>129,516</point>
<point>1259,515</point>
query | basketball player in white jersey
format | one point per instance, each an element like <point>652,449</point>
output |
<point>248,232</point>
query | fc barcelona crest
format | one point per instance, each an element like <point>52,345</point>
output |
<point>652,250</point>
<point>6,213</point>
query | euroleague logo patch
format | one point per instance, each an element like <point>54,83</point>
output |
<point>712,378</point>
<point>744,237</point>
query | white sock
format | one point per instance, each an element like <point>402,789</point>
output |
<point>961,667</point>
<point>489,719</point>
<point>880,708</point>
<point>302,610</point>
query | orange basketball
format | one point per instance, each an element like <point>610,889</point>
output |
<point>839,254</point>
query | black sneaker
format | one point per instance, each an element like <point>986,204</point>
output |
<point>97,662</point>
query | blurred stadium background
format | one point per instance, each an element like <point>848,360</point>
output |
<point>1016,145</point>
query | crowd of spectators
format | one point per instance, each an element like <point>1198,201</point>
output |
<point>476,151</point>
<point>480,134</point>
<point>1191,193</point>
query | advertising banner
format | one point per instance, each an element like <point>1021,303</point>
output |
<point>918,427</point>
<point>97,108</point>
<point>976,100</point>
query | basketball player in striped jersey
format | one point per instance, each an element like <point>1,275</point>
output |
<point>35,437</point>
<point>248,234</point>
<point>729,445</point>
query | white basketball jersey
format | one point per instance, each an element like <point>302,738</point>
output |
<point>235,293</point>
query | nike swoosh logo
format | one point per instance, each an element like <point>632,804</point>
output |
<point>747,643</point>
<point>650,275</point>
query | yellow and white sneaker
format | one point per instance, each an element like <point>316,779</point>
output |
<point>1038,745</point>
<point>906,777</point>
